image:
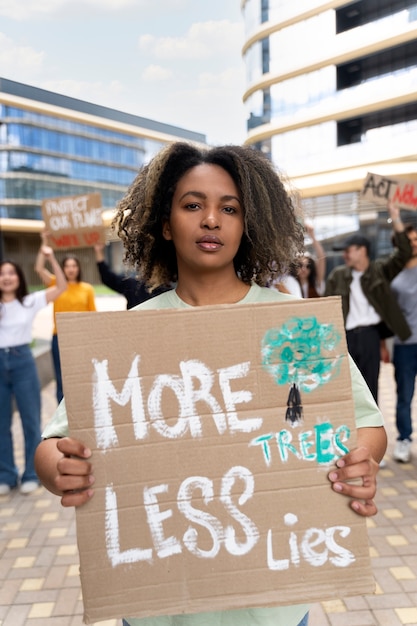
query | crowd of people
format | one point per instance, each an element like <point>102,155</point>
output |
<point>215,226</point>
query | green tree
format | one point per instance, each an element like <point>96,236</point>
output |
<point>301,353</point>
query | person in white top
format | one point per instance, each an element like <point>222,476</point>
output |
<point>18,374</point>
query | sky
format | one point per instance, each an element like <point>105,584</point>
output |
<point>174,61</point>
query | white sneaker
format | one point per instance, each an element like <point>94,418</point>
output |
<point>4,489</point>
<point>28,487</point>
<point>402,451</point>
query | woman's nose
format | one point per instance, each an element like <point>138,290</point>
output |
<point>210,219</point>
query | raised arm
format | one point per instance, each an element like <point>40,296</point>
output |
<point>395,215</point>
<point>108,277</point>
<point>40,268</point>
<point>319,253</point>
<point>61,282</point>
<point>403,251</point>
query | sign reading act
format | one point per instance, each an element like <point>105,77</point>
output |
<point>211,486</point>
<point>381,189</point>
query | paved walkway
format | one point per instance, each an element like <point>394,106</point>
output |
<point>39,563</point>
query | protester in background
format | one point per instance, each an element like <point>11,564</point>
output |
<point>289,283</point>
<point>211,221</point>
<point>370,309</point>
<point>79,296</point>
<point>285,283</point>
<point>311,272</point>
<point>130,287</point>
<point>404,287</point>
<point>18,373</point>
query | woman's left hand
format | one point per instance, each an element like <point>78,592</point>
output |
<point>355,477</point>
<point>47,251</point>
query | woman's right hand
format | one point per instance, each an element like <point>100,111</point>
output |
<point>74,478</point>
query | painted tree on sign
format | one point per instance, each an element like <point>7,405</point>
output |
<point>301,353</point>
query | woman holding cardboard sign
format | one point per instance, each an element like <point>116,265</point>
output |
<point>214,222</point>
<point>79,296</point>
<point>18,374</point>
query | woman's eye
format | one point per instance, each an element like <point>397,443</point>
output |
<point>229,209</point>
<point>193,206</point>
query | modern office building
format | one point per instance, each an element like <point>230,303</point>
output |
<point>52,146</point>
<point>331,95</point>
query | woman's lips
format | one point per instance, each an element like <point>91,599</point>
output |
<point>209,242</point>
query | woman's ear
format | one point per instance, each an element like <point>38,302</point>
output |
<point>166,231</point>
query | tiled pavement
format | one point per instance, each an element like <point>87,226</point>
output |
<point>39,563</point>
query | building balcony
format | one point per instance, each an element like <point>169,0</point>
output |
<point>330,49</point>
<point>377,94</point>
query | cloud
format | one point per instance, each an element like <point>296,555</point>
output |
<point>26,9</point>
<point>154,73</point>
<point>29,9</point>
<point>203,40</point>
<point>228,80</point>
<point>20,59</point>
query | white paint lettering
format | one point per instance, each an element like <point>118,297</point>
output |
<point>164,546</point>
<point>233,546</point>
<point>104,391</point>
<point>202,518</point>
<point>58,222</point>
<point>232,398</point>
<point>195,369</point>
<point>176,385</point>
<point>112,532</point>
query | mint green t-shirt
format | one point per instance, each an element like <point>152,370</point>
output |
<point>367,414</point>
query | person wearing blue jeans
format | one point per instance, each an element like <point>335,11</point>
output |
<point>404,287</point>
<point>57,367</point>
<point>19,378</point>
<point>405,364</point>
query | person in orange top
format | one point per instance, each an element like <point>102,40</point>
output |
<point>79,296</point>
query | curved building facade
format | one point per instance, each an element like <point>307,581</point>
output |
<point>332,94</point>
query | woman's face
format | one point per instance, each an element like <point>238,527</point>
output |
<point>206,222</point>
<point>71,270</point>
<point>9,279</point>
<point>304,268</point>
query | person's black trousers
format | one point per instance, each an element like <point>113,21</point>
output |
<point>364,347</point>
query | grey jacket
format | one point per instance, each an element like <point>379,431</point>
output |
<point>375,283</point>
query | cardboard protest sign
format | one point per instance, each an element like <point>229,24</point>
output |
<point>213,430</point>
<point>380,189</point>
<point>74,221</point>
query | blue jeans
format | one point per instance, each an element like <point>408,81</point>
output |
<point>19,379</point>
<point>57,367</point>
<point>405,364</point>
<point>304,621</point>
